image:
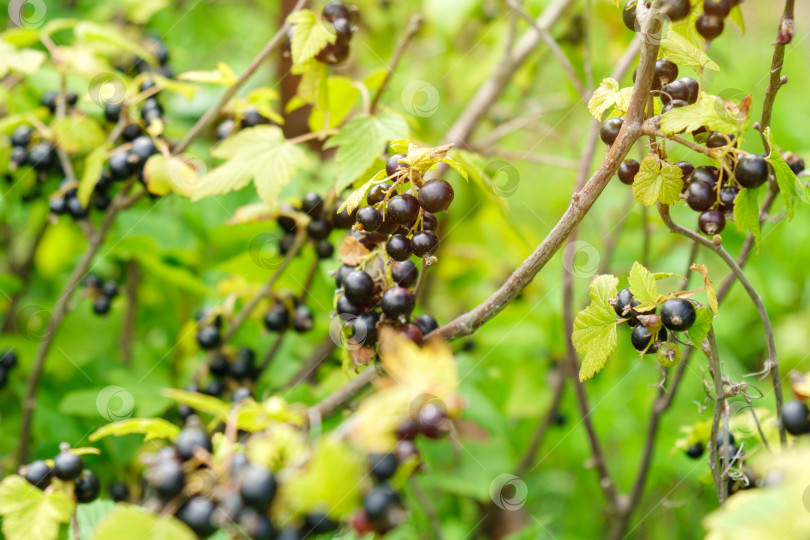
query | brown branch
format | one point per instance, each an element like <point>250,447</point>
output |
<point>127,339</point>
<point>414,25</point>
<point>345,394</point>
<point>784,36</point>
<point>307,370</point>
<point>772,364</point>
<point>710,350</point>
<point>211,114</point>
<point>272,352</point>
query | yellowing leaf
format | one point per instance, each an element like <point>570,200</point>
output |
<point>643,287</point>
<point>603,98</point>
<point>28,512</point>
<point>309,36</point>
<point>657,181</point>
<point>130,522</point>
<point>152,428</point>
<point>253,416</point>
<point>746,213</point>
<point>164,175</point>
<point>281,445</point>
<point>595,333</point>
<point>25,61</point>
<point>199,402</point>
<point>429,369</point>
<point>356,198</point>
<point>93,168</point>
<point>680,50</point>
<point>711,112</point>
<point>261,154</point>
<point>223,75</point>
<point>710,292</point>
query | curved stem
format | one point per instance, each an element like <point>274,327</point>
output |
<point>716,370</point>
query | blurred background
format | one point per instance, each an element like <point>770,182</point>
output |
<point>506,365</point>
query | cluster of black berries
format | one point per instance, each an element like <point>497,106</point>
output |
<point>344,19</point>
<point>28,149</point>
<point>649,333</point>
<point>709,24</point>
<point>102,293</point>
<point>67,466</point>
<point>8,361</point>
<point>287,312</point>
<point>382,505</point>
<point>233,373</point>
<point>323,218</point>
<point>742,477</point>
<point>249,118</point>
<point>138,65</point>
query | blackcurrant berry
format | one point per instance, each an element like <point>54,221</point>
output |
<point>215,388</point>
<point>404,273</point>
<point>219,366</point>
<point>629,15</point>
<point>436,195</point>
<point>225,128</point>
<point>87,487</point>
<point>291,534</point>
<point>674,104</point>
<point>317,523</point>
<point>112,111</point>
<point>19,156</point>
<point>67,465</point>
<point>794,417</point>
<point>324,249</point>
<point>403,209</point>
<point>312,204</point>
<point>57,205</point>
<point>196,513</point>
<point>335,10</point>
<point>628,171</point>
<point>695,450</point>
<point>675,9</point>
<point>425,243</point>
<point>345,306</point>
<point>167,478</point>
<point>75,208</point>
<point>378,501</point>
<point>257,487</point>
<point>700,196</point>
<point>411,332</point>
<point>718,140</point>
<point>189,440</point>
<point>709,27</point>
<point>343,29</point>
<point>674,90</point>
<point>286,243</point>
<point>256,525</point>
<point>341,273</point>
<point>131,132</point>
<point>665,72</point>
<point>795,162</point>
<point>624,300</point>
<point>642,339</point>
<point>49,100</point>
<point>610,130</point>
<point>377,193</point>
<point>142,149</point>
<point>369,218</point>
<point>120,165</point>
<point>398,247</point>
<point>151,110</point>
<point>208,337</point>
<point>393,166</point>
<point>426,323</point>
<point>751,171</point>
<point>429,222</point>
<point>727,197</point>
<point>21,136</point>
<point>42,156</point>
<point>303,321</point>
<point>694,88</point>
<point>358,287</point>
<point>717,8</point>
<point>364,328</point>
<point>243,366</point>
<point>318,229</point>
<point>343,219</point>
<point>8,360</point>
<point>252,118</point>
<point>101,200</point>
<point>389,226</point>
<point>39,474</point>
<point>712,222</point>
<point>147,84</point>
<point>397,302</point>
<point>119,492</point>
<point>101,305</point>
<point>686,168</point>
<point>707,174</point>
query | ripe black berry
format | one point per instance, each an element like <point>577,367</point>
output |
<point>369,218</point>
<point>382,466</point>
<point>225,128</point>
<point>429,222</point>
<point>39,474</point>
<point>341,273</point>
<point>49,100</point>
<point>695,450</point>
<point>610,130</point>
<point>167,478</point>
<point>426,323</point>
<point>208,337</point>
<point>675,9</point>
<point>67,466</point>
<point>675,90</point>
<point>219,366</point>
<point>708,26</point>
<point>699,196</point>
<point>324,249</point>
<point>42,156</point>
<point>343,29</point>
<point>120,165</point>
<point>377,193</point>
<point>335,10</point>
<point>189,440</point>
<point>629,15</point>
<point>751,171</point>
<point>707,174</point>
<point>101,200</point>
<point>397,302</point>
<point>142,149</point>
<point>112,111</point>
<point>794,417</point>
<point>712,222</point>
<point>674,104</point>
<point>118,492</point>
<point>358,287</point>
<point>312,204</point>
<point>727,197</point>
<point>393,165</point>
<point>404,273</point>
<point>693,87</point>
<point>389,226</point>
<point>436,195</point>
<point>196,513</point>
<point>303,320</point>
<point>74,207</point>
<point>131,132</point>
<point>378,501</point>
<point>253,118</point>
<point>641,339</point>
<point>795,162</point>
<point>318,229</point>
<point>665,72</point>
<point>717,8</point>
<point>87,487</point>
<point>257,487</point>
<point>678,314</point>
<point>343,219</point>
<point>19,156</point>
<point>256,525</point>
<point>718,140</point>
<point>628,171</point>
<point>425,243</point>
<point>8,360</point>
<point>317,523</point>
<point>403,209</point>
<point>21,136</point>
<point>345,306</point>
<point>364,328</point>
<point>398,247</point>
<point>623,300</point>
<point>101,305</point>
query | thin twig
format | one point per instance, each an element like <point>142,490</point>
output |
<point>127,339</point>
<point>272,352</point>
<point>307,370</point>
<point>784,36</point>
<point>414,24</point>
<point>345,394</point>
<point>716,370</point>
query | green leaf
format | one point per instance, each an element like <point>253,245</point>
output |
<point>603,97</point>
<point>356,198</point>
<point>21,37</point>
<point>785,177</point>
<point>657,181</point>
<point>153,428</point>
<point>642,285</point>
<point>309,36</point>
<point>261,154</point>
<point>702,326</point>
<point>361,141</point>
<point>595,333</point>
<point>341,96</point>
<point>164,175</point>
<point>25,61</point>
<point>89,32</point>
<point>199,402</point>
<point>683,52</point>
<point>140,11</point>
<point>746,213</point>
<point>10,284</point>
<point>93,168</point>
<point>710,112</point>
<point>78,134</point>
<point>130,522</point>
<point>457,166</point>
<point>28,512</point>
<point>89,515</point>
<point>736,16</point>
